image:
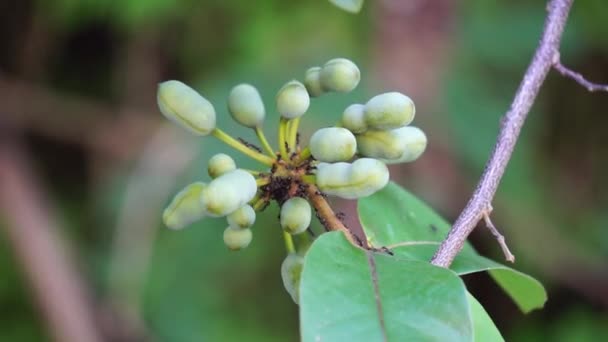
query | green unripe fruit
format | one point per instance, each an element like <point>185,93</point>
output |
<point>353,118</point>
<point>237,239</point>
<point>228,192</point>
<point>333,144</point>
<point>185,208</point>
<point>362,178</point>
<point>414,141</point>
<point>388,111</point>
<point>185,107</point>
<point>405,142</point>
<point>292,100</point>
<point>220,164</point>
<point>312,81</point>
<point>243,217</point>
<point>340,74</point>
<point>246,106</point>
<point>295,215</point>
<point>291,272</point>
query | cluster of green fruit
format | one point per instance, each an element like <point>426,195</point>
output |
<point>294,176</point>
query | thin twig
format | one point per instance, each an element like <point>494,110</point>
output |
<point>512,123</point>
<point>499,237</point>
<point>580,79</point>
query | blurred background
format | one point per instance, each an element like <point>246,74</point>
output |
<point>87,163</point>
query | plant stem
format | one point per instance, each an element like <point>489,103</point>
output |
<point>262,181</point>
<point>289,246</point>
<point>237,145</point>
<point>292,134</point>
<point>305,154</point>
<point>282,139</point>
<point>327,216</point>
<point>260,133</point>
<point>544,59</point>
<point>310,179</point>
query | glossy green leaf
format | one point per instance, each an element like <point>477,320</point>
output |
<point>396,219</point>
<point>353,6</point>
<point>484,329</point>
<point>348,294</point>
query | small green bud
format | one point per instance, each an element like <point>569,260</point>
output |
<point>291,272</point>
<point>295,215</point>
<point>237,239</point>
<point>414,141</point>
<point>185,107</point>
<point>243,217</point>
<point>361,178</point>
<point>353,118</point>
<point>389,110</point>
<point>228,192</point>
<point>340,74</point>
<point>292,100</point>
<point>185,208</point>
<point>220,164</point>
<point>333,144</point>
<point>312,81</point>
<point>246,106</point>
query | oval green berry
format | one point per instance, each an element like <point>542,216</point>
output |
<point>228,192</point>
<point>333,144</point>
<point>292,100</point>
<point>362,178</point>
<point>237,239</point>
<point>185,107</point>
<point>246,106</point>
<point>243,217</point>
<point>220,164</point>
<point>291,272</point>
<point>353,118</point>
<point>295,215</point>
<point>414,141</point>
<point>312,81</point>
<point>389,110</point>
<point>340,75</point>
<point>185,208</point>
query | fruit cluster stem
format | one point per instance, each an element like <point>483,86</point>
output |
<point>260,133</point>
<point>239,146</point>
<point>283,139</point>
<point>327,216</point>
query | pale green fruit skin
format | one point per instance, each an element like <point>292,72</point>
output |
<point>340,75</point>
<point>246,106</point>
<point>185,208</point>
<point>362,178</point>
<point>389,144</point>
<point>296,215</point>
<point>291,273</point>
<point>353,118</point>
<point>389,110</point>
<point>185,107</point>
<point>333,144</point>
<point>312,81</point>
<point>242,218</point>
<point>292,100</point>
<point>228,192</point>
<point>219,164</point>
<point>415,142</point>
<point>237,239</point>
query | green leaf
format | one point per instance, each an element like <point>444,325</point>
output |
<point>396,219</point>
<point>484,329</point>
<point>347,293</point>
<point>353,6</point>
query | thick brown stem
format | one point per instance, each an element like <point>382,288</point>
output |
<point>327,216</point>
